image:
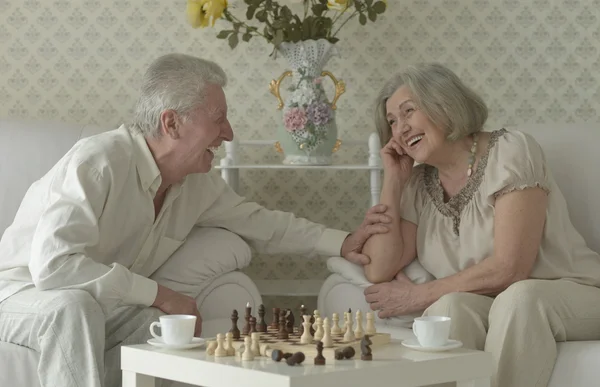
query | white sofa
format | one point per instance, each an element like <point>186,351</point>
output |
<point>573,156</point>
<point>28,149</point>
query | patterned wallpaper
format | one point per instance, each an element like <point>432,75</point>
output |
<point>80,60</point>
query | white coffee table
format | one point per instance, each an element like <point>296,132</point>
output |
<point>393,365</point>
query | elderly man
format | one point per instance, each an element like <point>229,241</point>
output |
<point>75,263</point>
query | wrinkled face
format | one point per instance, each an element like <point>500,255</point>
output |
<point>204,131</point>
<point>411,127</point>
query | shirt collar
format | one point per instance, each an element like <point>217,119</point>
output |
<point>146,165</point>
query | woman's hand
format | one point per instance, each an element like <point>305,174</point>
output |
<point>395,160</point>
<point>397,297</point>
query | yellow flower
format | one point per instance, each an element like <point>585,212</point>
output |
<point>201,13</point>
<point>338,5</point>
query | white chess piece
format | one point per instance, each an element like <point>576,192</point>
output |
<point>319,331</point>
<point>306,337</point>
<point>358,332</point>
<point>370,329</point>
<point>335,329</point>
<point>316,315</point>
<point>327,340</point>
<point>220,351</point>
<point>256,343</point>
<point>345,324</point>
<point>248,355</point>
<point>210,347</point>
<point>229,347</point>
<point>349,335</point>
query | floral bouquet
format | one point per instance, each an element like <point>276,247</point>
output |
<point>321,19</point>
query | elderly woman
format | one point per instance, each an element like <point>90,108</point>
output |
<point>482,213</point>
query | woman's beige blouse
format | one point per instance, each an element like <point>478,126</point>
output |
<point>455,235</point>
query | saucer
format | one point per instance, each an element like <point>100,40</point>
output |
<point>196,342</point>
<point>414,344</point>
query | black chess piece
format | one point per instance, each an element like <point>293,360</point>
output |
<point>261,325</point>
<point>365,348</point>
<point>312,322</point>
<point>277,355</point>
<point>283,333</point>
<point>246,328</point>
<point>234,328</point>
<point>296,358</point>
<point>290,321</point>
<point>319,359</point>
<point>252,322</point>
<point>275,322</point>
<point>344,353</point>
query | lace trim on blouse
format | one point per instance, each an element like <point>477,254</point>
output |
<point>453,208</point>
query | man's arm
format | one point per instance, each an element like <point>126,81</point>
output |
<point>268,231</point>
<point>68,224</point>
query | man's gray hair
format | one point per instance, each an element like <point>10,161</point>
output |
<point>441,95</point>
<point>177,82</point>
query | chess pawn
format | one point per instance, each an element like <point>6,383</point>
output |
<point>327,340</point>
<point>306,337</point>
<point>319,329</point>
<point>210,347</point>
<point>370,329</point>
<point>256,343</point>
<point>220,351</point>
<point>335,329</point>
<point>316,315</point>
<point>358,332</point>
<point>229,347</point>
<point>319,359</point>
<point>349,335</point>
<point>248,355</point>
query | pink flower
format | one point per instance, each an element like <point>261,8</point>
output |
<point>294,119</point>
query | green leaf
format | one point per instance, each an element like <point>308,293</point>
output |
<point>369,3</point>
<point>250,12</point>
<point>362,19</point>
<point>224,34</point>
<point>278,39</point>
<point>233,41</point>
<point>246,37</point>
<point>372,15</point>
<point>379,7</point>
<point>261,16</point>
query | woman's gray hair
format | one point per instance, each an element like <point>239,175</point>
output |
<point>441,95</point>
<point>177,82</point>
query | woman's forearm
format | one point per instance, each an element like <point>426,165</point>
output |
<point>489,277</point>
<point>385,250</point>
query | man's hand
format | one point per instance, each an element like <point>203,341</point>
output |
<point>171,302</point>
<point>374,223</point>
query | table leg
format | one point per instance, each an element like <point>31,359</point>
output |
<point>132,379</point>
<point>485,382</point>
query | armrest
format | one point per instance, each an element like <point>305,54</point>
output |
<point>206,254</point>
<point>355,274</point>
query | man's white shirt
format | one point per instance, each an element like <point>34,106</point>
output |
<point>90,223</point>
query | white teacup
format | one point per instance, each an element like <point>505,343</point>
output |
<point>176,329</point>
<point>432,331</point>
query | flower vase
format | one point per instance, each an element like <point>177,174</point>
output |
<point>307,134</point>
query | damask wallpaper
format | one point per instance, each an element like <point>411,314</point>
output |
<point>80,60</point>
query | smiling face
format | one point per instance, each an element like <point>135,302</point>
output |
<point>411,128</point>
<point>205,130</point>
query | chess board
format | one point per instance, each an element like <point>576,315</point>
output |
<point>292,344</point>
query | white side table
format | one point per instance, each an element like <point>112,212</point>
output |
<point>230,166</point>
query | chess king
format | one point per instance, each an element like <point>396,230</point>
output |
<point>91,238</point>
